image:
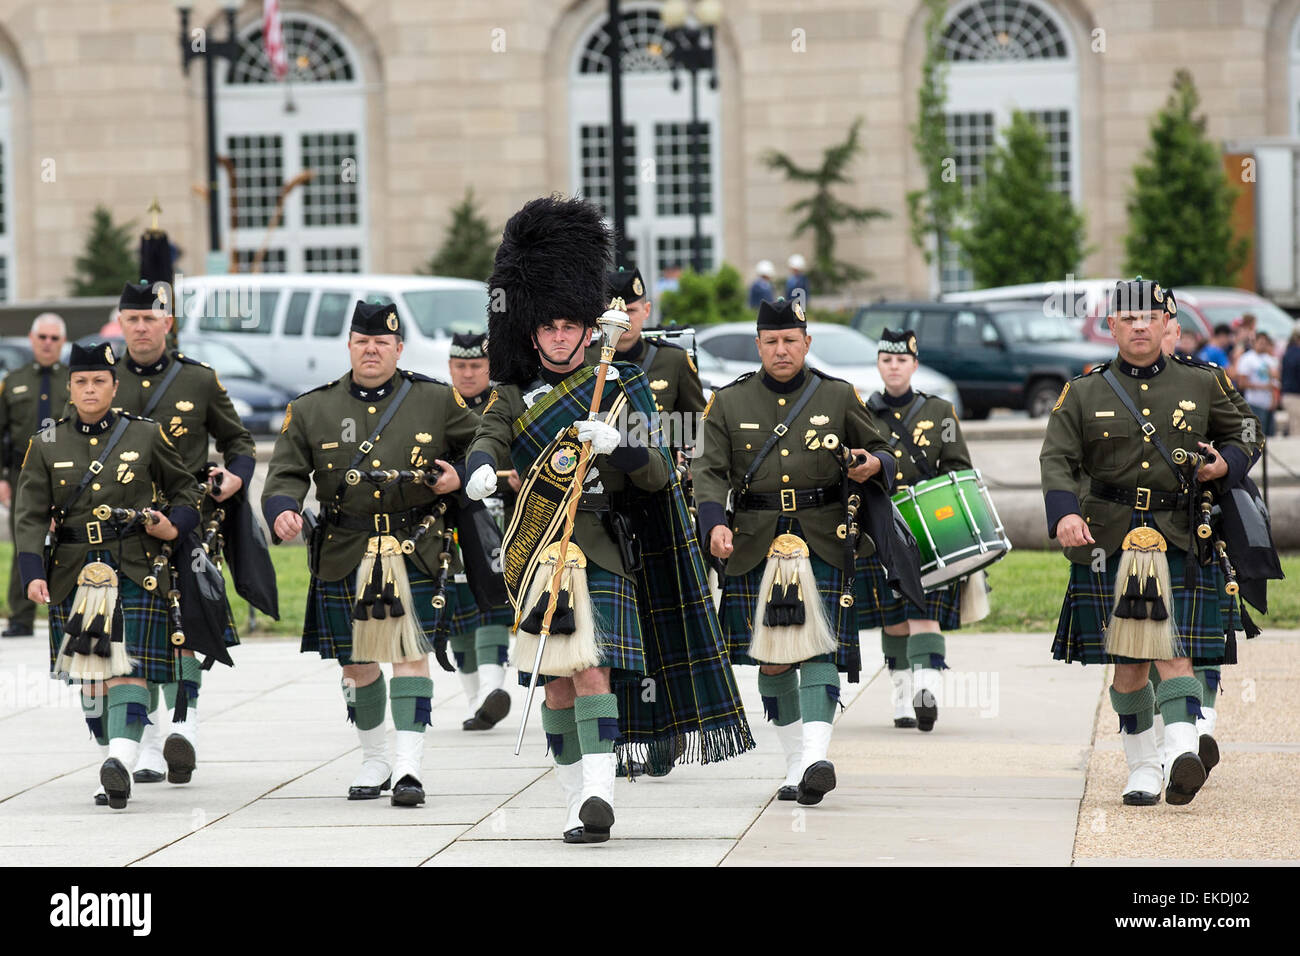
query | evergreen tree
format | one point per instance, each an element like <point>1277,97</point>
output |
<point>821,212</point>
<point>108,260</point>
<point>1019,227</point>
<point>1179,213</point>
<point>933,209</point>
<point>469,246</point>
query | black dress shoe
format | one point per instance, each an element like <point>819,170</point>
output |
<point>1186,777</point>
<point>408,792</point>
<point>18,630</point>
<point>179,754</point>
<point>787,793</point>
<point>1136,798</point>
<point>494,708</point>
<point>927,710</point>
<point>1209,753</point>
<point>904,721</point>
<point>148,776</point>
<point>101,799</point>
<point>818,780</point>
<point>116,781</point>
<point>597,818</point>
<point>473,723</point>
<point>574,835</point>
<point>369,793</point>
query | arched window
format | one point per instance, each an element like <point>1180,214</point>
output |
<point>8,272</point>
<point>1007,55</point>
<point>297,148</point>
<point>656,137</point>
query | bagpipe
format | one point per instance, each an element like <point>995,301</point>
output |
<point>233,538</point>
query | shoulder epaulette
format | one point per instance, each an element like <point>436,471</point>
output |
<point>742,378</point>
<point>1095,370</point>
<point>318,388</point>
<point>665,344</point>
<point>830,378</point>
<point>419,377</point>
<point>193,361</point>
<point>1197,363</point>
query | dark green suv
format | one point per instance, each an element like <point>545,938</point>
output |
<point>1001,355</point>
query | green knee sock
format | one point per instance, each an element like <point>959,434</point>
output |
<point>154,696</point>
<point>1179,699</point>
<point>366,705</point>
<point>412,703</point>
<point>94,710</point>
<point>462,648</point>
<point>1208,678</point>
<point>561,730</point>
<point>191,677</point>
<point>819,691</point>
<point>1153,675</point>
<point>1136,709</point>
<point>926,650</point>
<point>895,649</point>
<point>126,711</point>
<point>597,718</point>
<point>492,644</point>
<point>780,696</point>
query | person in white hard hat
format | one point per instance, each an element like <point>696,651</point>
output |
<point>761,291</point>
<point>796,286</point>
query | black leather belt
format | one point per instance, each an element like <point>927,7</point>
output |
<point>593,502</point>
<point>1143,499</point>
<point>96,532</point>
<point>378,523</point>
<point>789,499</point>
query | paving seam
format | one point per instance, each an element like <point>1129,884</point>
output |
<point>499,806</point>
<point>1107,680</point>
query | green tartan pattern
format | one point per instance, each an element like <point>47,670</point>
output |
<point>740,601</point>
<point>468,618</point>
<point>618,628</point>
<point>1085,612</point>
<point>327,624</point>
<point>144,627</point>
<point>878,604</point>
<point>693,711</point>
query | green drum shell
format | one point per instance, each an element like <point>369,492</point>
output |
<point>956,527</point>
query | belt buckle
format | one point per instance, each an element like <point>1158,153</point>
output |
<point>787,500</point>
<point>94,533</point>
<point>387,524</point>
<point>1143,502</point>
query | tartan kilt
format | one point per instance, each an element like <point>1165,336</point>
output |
<point>878,604</point>
<point>740,600</point>
<point>464,619</point>
<point>1085,612</point>
<point>327,623</point>
<point>618,627</point>
<point>144,628</point>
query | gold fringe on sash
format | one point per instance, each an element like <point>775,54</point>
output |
<point>93,645</point>
<point>571,644</point>
<point>1141,626</point>
<point>385,629</point>
<point>790,623</point>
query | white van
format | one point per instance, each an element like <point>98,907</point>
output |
<point>296,326</point>
<point>1075,299</point>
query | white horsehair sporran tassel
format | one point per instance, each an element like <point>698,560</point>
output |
<point>1141,623</point>
<point>565,653</point>
<point>93,645</point>
<point>790,621</point>
<point>385,627</point>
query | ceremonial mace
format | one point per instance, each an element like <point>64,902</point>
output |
<point>612,325</point>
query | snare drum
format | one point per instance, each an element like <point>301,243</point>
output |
<point>956,527</point>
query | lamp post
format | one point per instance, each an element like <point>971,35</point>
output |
<point>692,39</point>
<point>208,50</point>
<point>618,190</point>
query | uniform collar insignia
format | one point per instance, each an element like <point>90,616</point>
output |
<point>1138,371</point>
<point>478,399</point>
<point>785,388</point>
<point>155,369</point>
<point>96,428</point>
<point>370,394</point>
<point>52,367</point>
<point>900,401</point>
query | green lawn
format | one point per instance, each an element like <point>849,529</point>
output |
<point>1027,590</point>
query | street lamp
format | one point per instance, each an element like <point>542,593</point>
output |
<point>692,39</point>
<point>208,50</point>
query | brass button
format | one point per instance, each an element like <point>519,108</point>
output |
<point>1144,387</point>
<point>1146,464</point>
<point>375,463</point>
<point>898,415</point>
<point>329,464</point>
<point>785,452</point>
<point>330,537</point>
<point>46,396</point>
<point>899,476</point>
<point>62,481</point>
<point>1103,435</point>
<point>1146,411</point>
<point>371,409</point>
<point>1147,439</point>
<point>1089,520</point>
<point>748,446</point>
<point>95,486</point>
<point>780,401</point>
<point>144,384</point>
<point>785,477</point>
<point>898,453</point>
<point>378,493</point>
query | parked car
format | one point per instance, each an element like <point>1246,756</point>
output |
<point>836,349</point>
<point>1001,355</point>
<point>1075,299</point>
<point>12,355</point>
<point>259,402</point>
<point>296,326</point>
<point>1201,308</point>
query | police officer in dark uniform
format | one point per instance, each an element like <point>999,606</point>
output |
<point>187,399</point>
<point>31,396</point>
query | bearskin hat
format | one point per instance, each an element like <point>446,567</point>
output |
<point>551,264</point>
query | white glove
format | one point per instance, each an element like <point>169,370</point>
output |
<point>603,438</point>
<point>482,483</point>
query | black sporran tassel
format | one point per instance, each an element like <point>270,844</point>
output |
<point>103,645</point>
<point>1129,605</point>
<point>794,601</point>
<point>777,613</point>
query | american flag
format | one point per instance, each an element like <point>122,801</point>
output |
<point>273,38</point>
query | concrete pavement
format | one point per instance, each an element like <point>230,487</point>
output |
<point>999,781</point>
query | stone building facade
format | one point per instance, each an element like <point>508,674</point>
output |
<point>399,106</point>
